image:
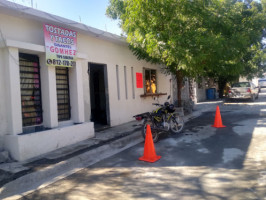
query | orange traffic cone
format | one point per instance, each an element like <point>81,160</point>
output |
<point>149,150</point>
<point>218,120</point>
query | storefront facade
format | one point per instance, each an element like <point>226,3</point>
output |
<point>46,107</point>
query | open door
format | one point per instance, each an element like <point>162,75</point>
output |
<point>99,95</point>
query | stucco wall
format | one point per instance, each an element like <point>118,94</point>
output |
<point>201,90</point>
<point>201,94</point>
<point>20,29</point>
<point>3,118</point>
<point>112,54</point>
<point>97,51</point>
<point>86,91</point>
<point>27,146</point>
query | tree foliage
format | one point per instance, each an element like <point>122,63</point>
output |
<point>215,38</point>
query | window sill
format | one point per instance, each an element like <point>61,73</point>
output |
<point>152,95</point>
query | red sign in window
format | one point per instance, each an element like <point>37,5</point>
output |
<point>139,80</point>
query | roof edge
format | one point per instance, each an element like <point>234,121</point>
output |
<point>17,10</point>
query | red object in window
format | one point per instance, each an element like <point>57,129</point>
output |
<point>139,80</point>
<point>229,91</point>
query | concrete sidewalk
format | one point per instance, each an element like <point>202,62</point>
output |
<point>18,178</point>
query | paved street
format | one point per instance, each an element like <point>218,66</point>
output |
<point>201,163</point>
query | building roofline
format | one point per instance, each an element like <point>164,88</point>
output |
<point>17,10</point>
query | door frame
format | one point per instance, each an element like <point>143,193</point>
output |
<point>107,107</point>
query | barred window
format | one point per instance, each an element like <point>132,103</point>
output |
<point>30,86</point>
<point>150,81</point>
<point>62,88</point>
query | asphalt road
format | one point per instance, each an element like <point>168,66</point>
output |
<point>201,163</point>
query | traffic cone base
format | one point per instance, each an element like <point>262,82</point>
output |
<point>149,154</point>
<point>154,159</point>
<point>218,126</point>
<point>218,120</point>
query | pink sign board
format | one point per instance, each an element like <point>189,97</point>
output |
<point>139,80</point>
<point>60,45</point>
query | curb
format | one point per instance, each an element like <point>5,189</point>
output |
<point>48,175</point>
<point>39,179</point>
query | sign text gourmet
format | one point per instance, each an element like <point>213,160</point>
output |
<point>60,45</point>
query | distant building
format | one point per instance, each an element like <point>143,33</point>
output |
<point>254,80</point>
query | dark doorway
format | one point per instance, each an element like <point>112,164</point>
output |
<point>99,94</point>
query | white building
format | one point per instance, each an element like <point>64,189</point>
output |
<point>43,107</point>
<point>254,80</point>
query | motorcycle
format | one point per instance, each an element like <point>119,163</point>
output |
<point>164,119</point>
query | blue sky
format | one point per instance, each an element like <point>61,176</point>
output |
<point>89,12</point>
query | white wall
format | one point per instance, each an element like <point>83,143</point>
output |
<point>103,52</point>
<point>95,50</point>
<point>111,54</point>
<point>86,92</point>
<point>23,147</point>
<point>201,91</point>
<point>19,29</point>
<point>254,80</point>
<point>3,118</point>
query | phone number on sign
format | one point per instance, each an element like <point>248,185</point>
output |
<point>61,62</point>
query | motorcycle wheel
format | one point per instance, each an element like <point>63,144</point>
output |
<point>155,135</point>
<point>177,124</point>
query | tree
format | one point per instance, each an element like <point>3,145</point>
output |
<point>241,42</point>
<point>191,38</point>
